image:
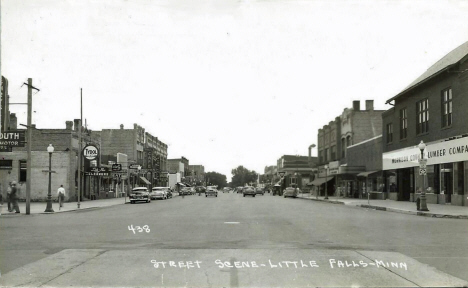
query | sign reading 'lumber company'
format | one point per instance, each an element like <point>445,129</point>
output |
<point>436,153</point>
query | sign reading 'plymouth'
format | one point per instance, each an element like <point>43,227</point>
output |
<point>12,138</point>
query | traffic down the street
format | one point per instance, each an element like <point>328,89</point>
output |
<point>232,241</point>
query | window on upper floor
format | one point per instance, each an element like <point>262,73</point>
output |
<point>321,157</point>
<point>343,148</point>
<point>447,107</point>
<point>348,141</point>
<point>325,155</point>
<point>389,133</point>
<point>333,153</point>
<point>422,114</point>
<point>403,123</point>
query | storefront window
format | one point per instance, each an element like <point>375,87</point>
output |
<point>429,181</point>
<point>460,179</point>
<point>392,181</point>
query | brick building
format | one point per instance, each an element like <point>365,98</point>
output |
<point>64,163</point>
<point>431,109</point>
<point>179,165</point>
<point>197,174</point>
<point>298,170</point>
<point>155,160</point>
<point>352,126</point>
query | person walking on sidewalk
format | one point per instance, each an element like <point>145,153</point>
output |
<point>9,197</point>
<point>61,196</point>
<point>14,197</point>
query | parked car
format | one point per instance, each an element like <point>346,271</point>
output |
<point>160,193</point>
<point>139,194</point>
<point>185,191</point>
<point>249,190</point>
<point>211,191</point>
<point>259,190</point>
<point>291,192</point>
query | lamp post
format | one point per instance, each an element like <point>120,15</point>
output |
<point>326,182</point>
<point>50,149</point>
<point>422,165</point>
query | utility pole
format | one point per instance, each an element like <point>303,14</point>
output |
<point>80,148</point>
<point>29,139</point>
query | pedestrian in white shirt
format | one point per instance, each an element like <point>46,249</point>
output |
<point>61,195</point>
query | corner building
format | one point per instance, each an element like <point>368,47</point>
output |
<point>431,109</point>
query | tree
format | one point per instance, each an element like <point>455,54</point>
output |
<point>216,179</point>
<point>242,176</point>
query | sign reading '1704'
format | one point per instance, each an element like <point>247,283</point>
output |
<point>12,139</point>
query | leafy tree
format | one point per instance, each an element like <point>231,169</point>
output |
<point>242,176</point>
<point>216,178</point>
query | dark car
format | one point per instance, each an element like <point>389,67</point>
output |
<point>259,190</point>
<point>140,194</point>
<point>249,190</point>
<point>291,192</point>
<point>185,191</point>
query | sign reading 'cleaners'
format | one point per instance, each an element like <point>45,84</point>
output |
<point>437,153</point>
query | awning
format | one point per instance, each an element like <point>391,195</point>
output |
<point>181,184</point>
<point>145,180</point>
<point>320,181</point>
<point>365,174</point>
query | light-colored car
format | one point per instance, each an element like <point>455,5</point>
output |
<point>139,194</point>
<point>160,193</point>
<point>249,190</point>
<point>291,192</point>
<point>211,191</point>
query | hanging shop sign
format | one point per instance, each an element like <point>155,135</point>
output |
<point>90,152</point>
<point>436,153</point>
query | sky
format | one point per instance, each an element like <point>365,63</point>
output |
<point>222,83</point>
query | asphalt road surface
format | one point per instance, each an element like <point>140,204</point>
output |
<point>232,241</point>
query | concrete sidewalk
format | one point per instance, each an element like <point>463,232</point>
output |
<point>40,207</point>
<point>406,207</point>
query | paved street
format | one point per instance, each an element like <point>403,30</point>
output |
<point>299,242</point>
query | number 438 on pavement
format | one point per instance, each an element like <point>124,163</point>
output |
<point>139,229</point>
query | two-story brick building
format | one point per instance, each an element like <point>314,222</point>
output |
<point>352,126</point>
<point>431,109</point>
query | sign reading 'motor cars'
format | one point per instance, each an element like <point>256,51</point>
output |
<point>12,138</point>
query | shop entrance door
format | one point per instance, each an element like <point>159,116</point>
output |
<point>404,184</point>
<point>446,182</point>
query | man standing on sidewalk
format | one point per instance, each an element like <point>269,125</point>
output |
<point>61,196</point>
<point>14,197</point>
<point>9,196</point>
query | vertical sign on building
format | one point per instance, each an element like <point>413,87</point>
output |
<point>4,106</point>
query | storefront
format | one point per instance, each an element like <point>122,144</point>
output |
<point>341,179</point>
<point>446,176</point>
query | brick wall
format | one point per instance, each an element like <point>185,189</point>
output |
<point>366,125</point>
<point>115,141</point>
<point>431,90</point>
<point>368,154</point>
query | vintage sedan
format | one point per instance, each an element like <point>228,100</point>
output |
<point>259,190</point>
<point>140,194</point>
<point>185,191</point>
<point>291,192</point>
<point>160,193</point>
<point>249,190</point>
<point>211,191</point>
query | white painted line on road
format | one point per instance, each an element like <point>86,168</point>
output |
<point>231,222</point>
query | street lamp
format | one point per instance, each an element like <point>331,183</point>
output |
<point>423,204</point>
<point>50,149</point>
<point>326,181</point>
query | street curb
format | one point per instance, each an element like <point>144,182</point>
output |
<point>401,211</point>
<point>417,213</point>
<point>323,200</point>
<point>55,212</point>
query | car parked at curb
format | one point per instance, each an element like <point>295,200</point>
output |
<point>139,194</point>
<point>160,193</point>
<point>291,192</point>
